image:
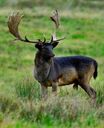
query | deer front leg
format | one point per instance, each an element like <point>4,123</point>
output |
<point>54,87</point>
<point>44,91</point>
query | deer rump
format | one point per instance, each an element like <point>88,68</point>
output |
<point>69,70</point>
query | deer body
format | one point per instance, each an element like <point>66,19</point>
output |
<point>59,71</point>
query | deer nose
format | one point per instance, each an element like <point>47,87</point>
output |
<point>52,55</point>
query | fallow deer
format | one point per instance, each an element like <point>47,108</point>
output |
<point>51,71</point>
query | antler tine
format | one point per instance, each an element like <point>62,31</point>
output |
<point>44,40</point>
<point>57,40</point>
<point>54,39</point>
<point>13,23</point>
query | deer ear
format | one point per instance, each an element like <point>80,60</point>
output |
<point>54,44</point>
<point>39,45</point>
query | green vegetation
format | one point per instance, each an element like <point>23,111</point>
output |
<point>94,4</point>
<point>20,104</point>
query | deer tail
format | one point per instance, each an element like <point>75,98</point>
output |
<point>96,70</point>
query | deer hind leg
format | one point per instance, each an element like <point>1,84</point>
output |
<point>44,91</point>
<point>86,86</point>
<point>94,92</point>
<point>89,90</point>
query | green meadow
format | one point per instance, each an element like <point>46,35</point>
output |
<point>20,103</point>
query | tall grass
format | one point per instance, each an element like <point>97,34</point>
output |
<point>71,109</point>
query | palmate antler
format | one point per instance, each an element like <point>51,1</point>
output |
<point>13,23</point>
<point>55,19</point>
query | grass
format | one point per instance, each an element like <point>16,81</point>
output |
<point>20,104</point>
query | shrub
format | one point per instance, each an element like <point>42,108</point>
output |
<point>7,104</point>
<point>27,89</point>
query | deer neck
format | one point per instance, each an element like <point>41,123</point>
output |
<point>42,68</point>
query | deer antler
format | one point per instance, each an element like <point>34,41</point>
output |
<point>54,39</point>
<point>55,19</point>
<point>13,23</point>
